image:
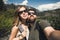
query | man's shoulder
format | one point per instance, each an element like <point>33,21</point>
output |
<point>43,23</point>
<point>41,20</point>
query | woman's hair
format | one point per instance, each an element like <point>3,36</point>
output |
<point>17,18</point>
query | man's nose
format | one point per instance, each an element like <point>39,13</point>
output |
<point>31,14</point>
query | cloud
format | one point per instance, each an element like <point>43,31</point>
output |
<point>50,6</point>
<point>25,2</point>
<point>5,1</point>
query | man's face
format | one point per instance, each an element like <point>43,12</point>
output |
<point>32,15</point>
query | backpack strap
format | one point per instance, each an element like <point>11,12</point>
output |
<point>20,28</point>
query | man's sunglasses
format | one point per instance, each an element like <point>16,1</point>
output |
<point>22,11</point>
<point>31,13</point>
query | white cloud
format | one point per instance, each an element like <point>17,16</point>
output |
<point>25,2</point>
<point>5,1</point>
<point>51,6</point>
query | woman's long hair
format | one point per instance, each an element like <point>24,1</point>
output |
<point>17,18</point>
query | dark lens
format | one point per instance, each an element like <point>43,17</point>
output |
<point>25,11</point>
<point>22,11</point>
<point>31,13</point>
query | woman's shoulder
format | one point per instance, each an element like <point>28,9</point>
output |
<point>14,28</point>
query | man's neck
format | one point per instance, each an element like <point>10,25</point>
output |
<point>32,23</point>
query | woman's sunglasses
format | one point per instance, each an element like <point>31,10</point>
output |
<point>22,11</point>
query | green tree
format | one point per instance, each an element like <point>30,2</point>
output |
<point>1,5</point>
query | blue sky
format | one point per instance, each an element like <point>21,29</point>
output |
<point>39,2</point>
<point>34,3</point>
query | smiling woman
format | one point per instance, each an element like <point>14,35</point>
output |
<point>20,24</point>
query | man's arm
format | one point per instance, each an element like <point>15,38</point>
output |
<point>47,28</point>
<point>55,35</point>
<point>50,32</point>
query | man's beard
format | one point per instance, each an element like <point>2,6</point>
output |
<point>31,21</point>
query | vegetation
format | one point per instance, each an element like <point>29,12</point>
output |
<point>53,16</point>
<point>6,21</point>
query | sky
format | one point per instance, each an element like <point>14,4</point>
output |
<point>41,5</point>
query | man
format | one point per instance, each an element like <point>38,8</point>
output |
<point>40,30</point>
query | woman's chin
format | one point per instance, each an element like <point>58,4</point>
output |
<point>24,18</point>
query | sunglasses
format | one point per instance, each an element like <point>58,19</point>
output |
<point>31,13</point>
<point>22,11</point>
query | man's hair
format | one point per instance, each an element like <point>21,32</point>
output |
<point>32,9</point>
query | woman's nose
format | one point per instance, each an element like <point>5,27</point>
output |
<point>23,13</point>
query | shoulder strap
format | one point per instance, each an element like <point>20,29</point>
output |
<point>20,28</point>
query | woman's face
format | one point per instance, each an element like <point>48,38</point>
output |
<point>23,13</point>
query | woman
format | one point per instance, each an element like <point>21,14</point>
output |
<point>20,24</point>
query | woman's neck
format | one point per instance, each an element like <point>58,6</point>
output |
<point>23,21</point>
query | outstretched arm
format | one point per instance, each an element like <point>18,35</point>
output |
<point>55,35</point>
<point>47,28</point>
<point>50,32</point>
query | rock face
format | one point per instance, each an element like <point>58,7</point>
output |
<point>4,38</point>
